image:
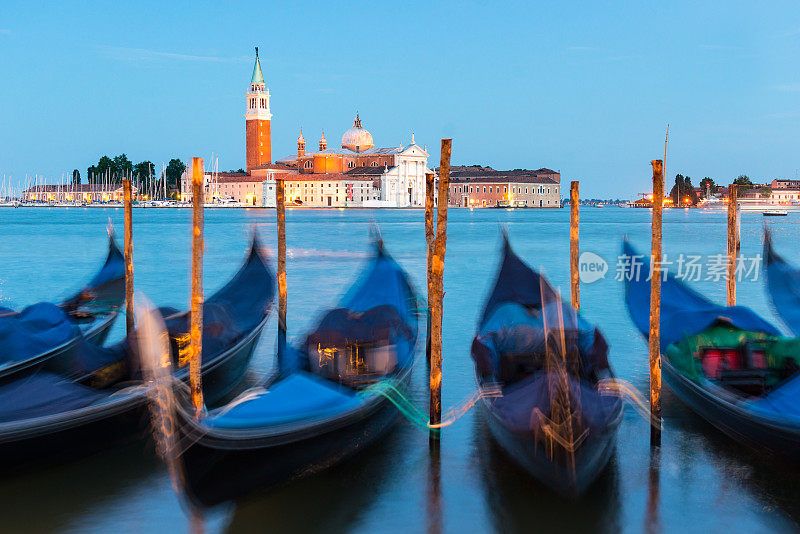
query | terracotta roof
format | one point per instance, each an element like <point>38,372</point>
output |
<point>503,179</point>
<point>481,172</point>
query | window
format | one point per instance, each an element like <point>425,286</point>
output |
<point>351,164</point>
<point>373,164</point>
<point>484,188</point>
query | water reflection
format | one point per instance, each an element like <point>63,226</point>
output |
<point>334,500</point>
<point>434,489</point>
<point>48,499</point>
<point>519,503</point>
<point>770,479</point>
<point>652,519</point>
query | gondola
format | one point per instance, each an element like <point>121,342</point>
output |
<point>47,334</point>
<point>101,397</point>
<point>322,407</point>
<point>783,286</point>
<point>728,364</point>
<point>553,417</point>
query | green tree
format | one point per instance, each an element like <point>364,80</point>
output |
<point>688,191</point>
<point>744,183</point>
<point>676,193</point>
<point>144,170</point>
<point>707,184</point>
<point>76,177</point>
<point>175,169</point>
<point>103,167</point>
<point>765,192</point>
<point>122,167</point>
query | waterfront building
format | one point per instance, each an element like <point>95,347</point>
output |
<point>483,187</point>
<point>782,183</point>
<point>233,187</point>
<point>84,193</point>
<point>335,190</point>
<point>785,194</point>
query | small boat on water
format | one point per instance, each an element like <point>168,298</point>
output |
<point>775,213</point>
<point>102,399</point>
<point>783,285</point>
<point>323,406</point>
<point>48,334</point>
<point>729,365</point>
<point>552,418</point>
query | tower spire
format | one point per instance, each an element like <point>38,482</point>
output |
<point>258,77</point>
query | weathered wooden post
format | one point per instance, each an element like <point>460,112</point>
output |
<point>128,253</point>
<point>733,241</point>
<point>436,295</point>
<point>655,305</point>
<point>280,209</point>
<point>429,236</point>
<point>196,328</point>
<point>574,251</point>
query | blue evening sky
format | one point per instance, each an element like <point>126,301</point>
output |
<point>584,88</point>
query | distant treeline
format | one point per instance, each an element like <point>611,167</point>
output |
<point>114,170</point>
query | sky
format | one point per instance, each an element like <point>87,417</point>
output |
<point>584,88</point>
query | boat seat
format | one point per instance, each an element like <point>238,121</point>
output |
<point>743,368</point>
<point>749,381</point>
<point>300,396</point>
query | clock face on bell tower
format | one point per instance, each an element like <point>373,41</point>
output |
<point>257,121</point>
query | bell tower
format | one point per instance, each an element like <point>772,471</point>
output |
<point>257,121</point>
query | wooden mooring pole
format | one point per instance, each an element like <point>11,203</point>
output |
<point>128,254</point>
<point>280,210</point>
<point>655,305</point>
<point>574,251</point>
<point>733,241</point>
<point>196,328</point>
<point>436,291</point>
<point>430,193</point>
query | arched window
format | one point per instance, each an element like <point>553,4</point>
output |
<point>373,164</point>
<point>351,164</point>
<point>307,164</point>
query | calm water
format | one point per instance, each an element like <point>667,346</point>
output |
<point>701,482</point>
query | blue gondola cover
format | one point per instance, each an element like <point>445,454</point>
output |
<point>684,312</point>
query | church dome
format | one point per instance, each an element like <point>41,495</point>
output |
<point>357,138</point>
